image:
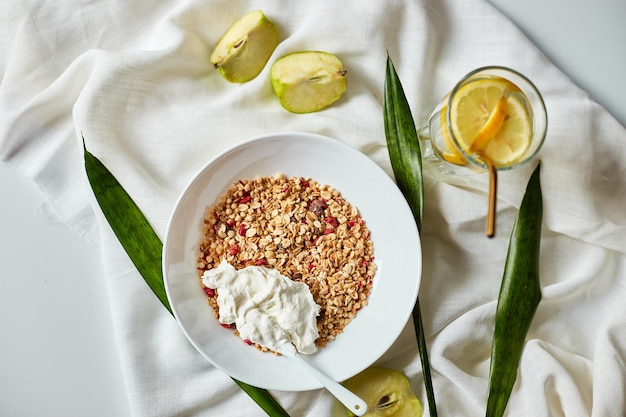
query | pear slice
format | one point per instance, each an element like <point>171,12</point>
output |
<point>387,393</point>
<point>242,52</point>
<point>309,81</point>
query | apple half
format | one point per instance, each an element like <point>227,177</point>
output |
<point>387,393</point>
<point>242,52</point>
<point>308,81</point>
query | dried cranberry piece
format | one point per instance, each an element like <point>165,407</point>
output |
<point>317,206</point>
<point>332,221</point>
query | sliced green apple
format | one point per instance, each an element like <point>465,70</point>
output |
<point>309,81</point>
<point>242,52</point>
<point>387,393</point>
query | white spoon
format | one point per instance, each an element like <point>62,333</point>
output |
<point>355,404</point>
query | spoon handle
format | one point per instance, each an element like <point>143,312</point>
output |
<point>354,403</point>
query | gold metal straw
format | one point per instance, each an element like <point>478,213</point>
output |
<point>493,187</point>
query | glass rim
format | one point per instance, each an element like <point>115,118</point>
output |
<point>539,114</point>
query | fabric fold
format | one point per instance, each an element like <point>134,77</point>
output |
<point>134,80</point>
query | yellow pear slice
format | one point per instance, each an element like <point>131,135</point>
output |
<point>242,52</point>
<point>387,393</point>
<point>309,81</point>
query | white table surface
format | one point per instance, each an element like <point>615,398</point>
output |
<point>58,356</point>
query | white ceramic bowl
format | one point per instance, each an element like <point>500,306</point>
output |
<point>397,254</point>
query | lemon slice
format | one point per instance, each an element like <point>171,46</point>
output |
<point>511,142</point>
<point>451,154</point>
<point>489,116</point>
<point>492,125</point>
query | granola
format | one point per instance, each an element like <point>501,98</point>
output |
<point>305,230</point>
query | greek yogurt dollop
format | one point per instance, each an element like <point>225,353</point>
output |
<point>267,307</point>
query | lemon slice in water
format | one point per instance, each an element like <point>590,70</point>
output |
<point>452,154</point>
<point>489,116</point>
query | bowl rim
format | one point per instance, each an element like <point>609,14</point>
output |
<point>168,243</point>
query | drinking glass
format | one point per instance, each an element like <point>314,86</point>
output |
<point>446,147</point>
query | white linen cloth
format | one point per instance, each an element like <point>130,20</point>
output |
<point>134,78</point>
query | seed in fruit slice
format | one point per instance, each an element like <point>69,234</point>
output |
<point>387,393</point>
<point>242,52</point>
<point>489,115</point>
<point>309,81</point>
